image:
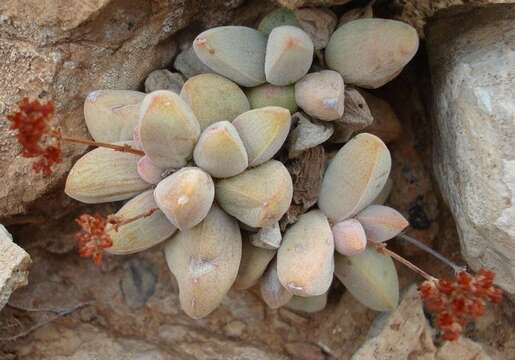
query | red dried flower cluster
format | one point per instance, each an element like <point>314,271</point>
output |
<point>93,238</point>
<point>32,123</point>
<point>455,303</point>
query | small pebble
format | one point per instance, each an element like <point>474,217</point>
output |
<point>189,65</point>
<point>138,282</point>
<point>164,80</point>
<point>235,328</point>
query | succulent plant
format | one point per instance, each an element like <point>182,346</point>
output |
<point>349,237</point>
<point>278,17</point>
<point>289,55</point>
<point>104,175</point>
<point>111,115</point>
<point>169,135</point>
<point>381,223</point>
<point>168,129</point>
<point>205,261</point>
<point>321,95</point>
<point>271,95</point>
<point>143,233</point>
<point>363,164</point>
<point>370,277</point>
<point>258,197</point>
<point>387,57</point>
<point>198,167</point>
<point>214,98</point>
<point>185,197</point>
<point>305,259</point>
<point>274,294</point>
<point>148,171</point>
<point>263,132</point>
<point>236,52</point>
<point>220,151</point>
<point>204,165</point>
<point>311,304</point>
<point>254,261</point>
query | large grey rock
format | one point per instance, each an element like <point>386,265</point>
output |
<point>14,263</point>
<point>473,76</point>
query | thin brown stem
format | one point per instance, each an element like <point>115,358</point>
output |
<point>124,148</point>
<point>117,222</point>
<point>382,248</point>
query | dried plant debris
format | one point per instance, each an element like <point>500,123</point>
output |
<point>306,134</point>
<point>357,116</point>
<point>307,171</point>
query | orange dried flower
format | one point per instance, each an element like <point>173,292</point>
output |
<point>32,122</point>
<point>455,303</point>
<point>93,238</point>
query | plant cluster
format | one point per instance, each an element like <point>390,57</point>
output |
<point>199,168</point>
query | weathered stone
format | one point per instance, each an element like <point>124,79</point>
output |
<point>417,12</point>
<point>188,63</point>
<point>463,348</point>
<point>472,68</point>
<point>398,335</point>
<point>14,263</point>
<point>295,4</point>
<point>138,283</point>
<point>164,80</point>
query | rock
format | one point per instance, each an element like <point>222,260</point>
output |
<point>398,335</point>
<point>63,53</point>
<point>473,111</point>
<point>462,348</point>
<point>417,12</point>
<point>164,80</point>
<point>304,351</point>
<point>235,328</point>
<point>138,283</point>
<point>188,63</point>
<point>14,263</point>
<point>345,329</point>
<point>295,4</point>
<point>318,23</point>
